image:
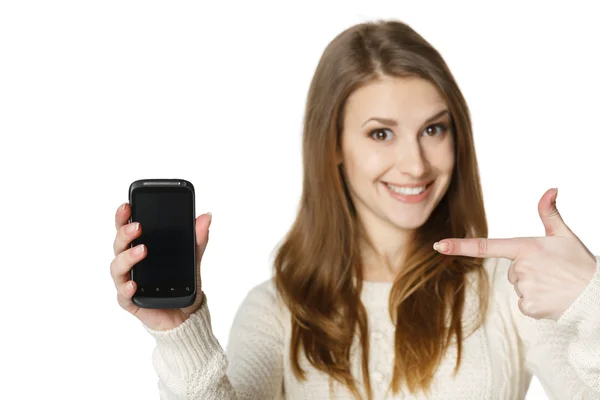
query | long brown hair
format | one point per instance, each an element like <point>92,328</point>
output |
<point>318,265</point>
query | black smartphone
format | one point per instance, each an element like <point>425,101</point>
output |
<point>165,209</point>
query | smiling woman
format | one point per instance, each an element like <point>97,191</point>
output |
<point>382,188</point>
<point>397,168</point>
<point>360,305</point>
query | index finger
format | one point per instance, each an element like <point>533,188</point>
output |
<point>480,247</point>
<point>122,215</point>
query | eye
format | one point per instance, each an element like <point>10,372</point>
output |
<point>431,130</point>
<point>381,134</point>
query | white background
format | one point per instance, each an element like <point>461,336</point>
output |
<point>94,95</point>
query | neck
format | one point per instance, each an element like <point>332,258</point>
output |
<point>383,251</point>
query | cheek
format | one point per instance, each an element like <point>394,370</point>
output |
<point>364,162</point>
<point>442,157</point>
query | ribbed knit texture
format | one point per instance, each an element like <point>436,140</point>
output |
<point>498,361</point>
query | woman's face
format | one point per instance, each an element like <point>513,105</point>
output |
<point>397,151</point>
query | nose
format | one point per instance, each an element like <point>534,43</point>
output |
<point>411,159</point>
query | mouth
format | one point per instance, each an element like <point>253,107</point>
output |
<point>409,193</point>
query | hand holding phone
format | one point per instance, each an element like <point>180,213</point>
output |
<point>165,206</point>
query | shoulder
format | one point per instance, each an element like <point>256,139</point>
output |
<point>264,292</point>
<point>497,269</point>
<point>494,272</point>
<point>263,304</point>
<point>497,273</point>
<point>261,320</point>
<point>502,293</point>
<point>500,286</point>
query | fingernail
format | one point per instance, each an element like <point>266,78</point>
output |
<point>130,285</point>
<point>134,227</point>
<point>139,249</point>
<point>209,217</point>
<point>123,207</point>
<point>440,246</point>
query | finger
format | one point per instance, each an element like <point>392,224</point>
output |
<point>529,308</point>
<point>121,265</point>
<point>125,293</point>
<point>122,215</point>
<point>516,286</point>
<point>512,274</point>
<point>125,235</point>
<point>551,218</point>
<point>202,226</point>
<point>481,247</point>
<point>521,306</point>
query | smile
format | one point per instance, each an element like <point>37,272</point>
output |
<point>409,193</point>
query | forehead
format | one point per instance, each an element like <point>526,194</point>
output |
<point>406,99</point>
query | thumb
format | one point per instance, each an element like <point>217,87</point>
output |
<point>553,222</point>
<point>202,225</point>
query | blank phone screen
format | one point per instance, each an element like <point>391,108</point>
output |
<point>167,220</point>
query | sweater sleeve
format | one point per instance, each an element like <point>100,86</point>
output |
<point>191,364</point>
<point>564,355</point>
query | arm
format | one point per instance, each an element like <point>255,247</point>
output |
<point>583,318</point>
<point>191,364</point>
<point>565,354</point>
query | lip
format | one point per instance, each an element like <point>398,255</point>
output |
<point>410,199</point>
<point>426,183</point>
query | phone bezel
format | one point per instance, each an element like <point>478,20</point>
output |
<point>175,301</point>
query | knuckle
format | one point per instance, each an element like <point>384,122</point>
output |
<point>536,245</point>
<point>113,266</point>
<point>121,231</point>
<point>528,308</point>
<point>517,269</point>
<point>127,232</point>
<point>119,244</point>
<point>119,267</point>
<point>118,248</point>
<point>121,301</point>
<point>122,291</point>
<point>123,234</point>
<point>122,296</point>
<point>524,306</point>
<point>482,247</point>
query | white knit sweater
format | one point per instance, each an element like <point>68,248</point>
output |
<point>498,359</point>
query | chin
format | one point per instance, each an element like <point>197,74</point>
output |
<point>409,224</point>
<point>409,217</point>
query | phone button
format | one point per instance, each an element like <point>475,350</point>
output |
<point>142,290</point>
<point>157,289</point>
<point>187,288</point>
<point>172,289</point>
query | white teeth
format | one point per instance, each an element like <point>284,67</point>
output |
<point>408,191</point>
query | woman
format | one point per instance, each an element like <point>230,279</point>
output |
<point>361,306</point>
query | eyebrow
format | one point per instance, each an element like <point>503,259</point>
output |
<point>393,122</point>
